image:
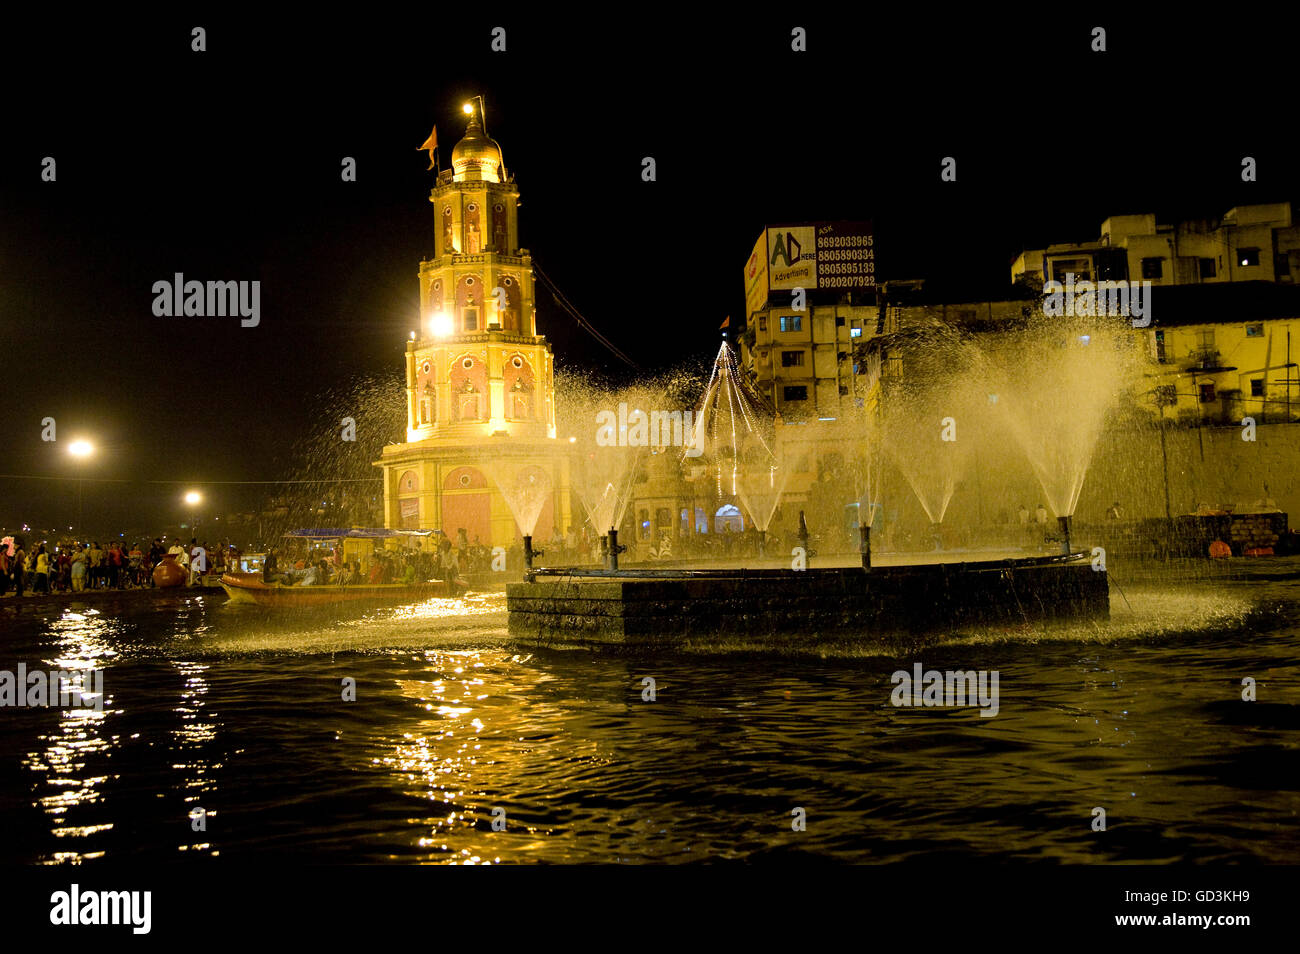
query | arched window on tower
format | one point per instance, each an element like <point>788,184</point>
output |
<point>469,296</point>
<point>468,389</point>
<point>473,237</point>
<point>448,245</point>
<point>520,391</point>
<point>509,315</point>
<point>499,227</point>
<point>428,406</point>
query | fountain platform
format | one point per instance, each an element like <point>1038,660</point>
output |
<point>584,607</point>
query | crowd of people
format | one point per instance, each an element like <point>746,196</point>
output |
<point>326,566</point>
<point>73,567</point>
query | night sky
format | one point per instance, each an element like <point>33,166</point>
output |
<point>225,165</point>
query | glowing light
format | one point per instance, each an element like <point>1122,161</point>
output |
<point>193,497</point>
<point>81,449</point>
<point>412,335</point>
<point>440,325</point>
<point>469,110</point>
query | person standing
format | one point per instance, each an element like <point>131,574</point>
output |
<point>1040,515</point>
<point>42,570</point>
<point>96,566</point>
<point>198,562</point>
<point>19,568</point>
<point>79,570</point>
<point>64,583</point>
<point>4,567</point>
<point>114,565</point>
<point>134,559</point>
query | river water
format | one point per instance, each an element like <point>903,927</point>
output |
<point>239,712</point>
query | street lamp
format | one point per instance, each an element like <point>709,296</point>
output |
<point>80,449</point>
<point>193,498</point>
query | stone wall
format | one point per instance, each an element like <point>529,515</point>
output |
<point>815,602</point>
<point>1189,535</point>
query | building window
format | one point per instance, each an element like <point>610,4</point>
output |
<point>1256,387</point>
<point>792,359</point>
<point>1207,393</point>
<point>762,324</point>
<point>1282,266</point>
<point>471,319</point>
<point>855,332</point>
<point>1161,356</point>
<point>1255,331</point>
<point>1247,257</point>
<point>426,367</point>
<point>1207,268</point>
<point>844,390</point>
<point>1153,268</point>
<point>791,323</point>
<point>1080,268</point>
<point>424,412</point>
<point>799,393</point>
<point>467,363</point>
<point>839,321</point>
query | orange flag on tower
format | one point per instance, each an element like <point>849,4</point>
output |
<point>726,323</point>
<point>431,144</point>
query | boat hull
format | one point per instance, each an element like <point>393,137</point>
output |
<point>250,589</point>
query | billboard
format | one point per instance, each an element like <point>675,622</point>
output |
<point>813,255</point>
<point>756,276</point>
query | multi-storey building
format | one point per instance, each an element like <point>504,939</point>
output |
<point>1250,243</point>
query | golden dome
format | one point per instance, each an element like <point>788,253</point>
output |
<point>476,155</point>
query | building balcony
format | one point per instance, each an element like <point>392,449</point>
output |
<point>479,258</point>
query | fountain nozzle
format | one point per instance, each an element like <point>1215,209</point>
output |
<point>611,548</point>
<point>762,544</point>
<point>864,531</point>
<point>1064,524</point>
<point>529,552</point>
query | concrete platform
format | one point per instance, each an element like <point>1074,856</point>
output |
<point>662,609</point>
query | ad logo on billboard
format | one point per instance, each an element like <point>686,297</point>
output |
<point>788,250</point>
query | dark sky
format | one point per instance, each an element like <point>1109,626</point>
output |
<point>225,165</point>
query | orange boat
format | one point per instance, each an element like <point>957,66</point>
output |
<point>249,588</point>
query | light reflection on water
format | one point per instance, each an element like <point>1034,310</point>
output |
<point>241,714</point>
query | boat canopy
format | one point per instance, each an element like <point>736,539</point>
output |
<point>355,533</point>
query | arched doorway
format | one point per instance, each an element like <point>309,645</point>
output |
<point>728,519</point>
<point>466,505</point>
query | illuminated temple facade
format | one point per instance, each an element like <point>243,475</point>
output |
<point>480,394</point>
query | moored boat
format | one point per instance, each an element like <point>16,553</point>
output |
<point>250,588</point>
